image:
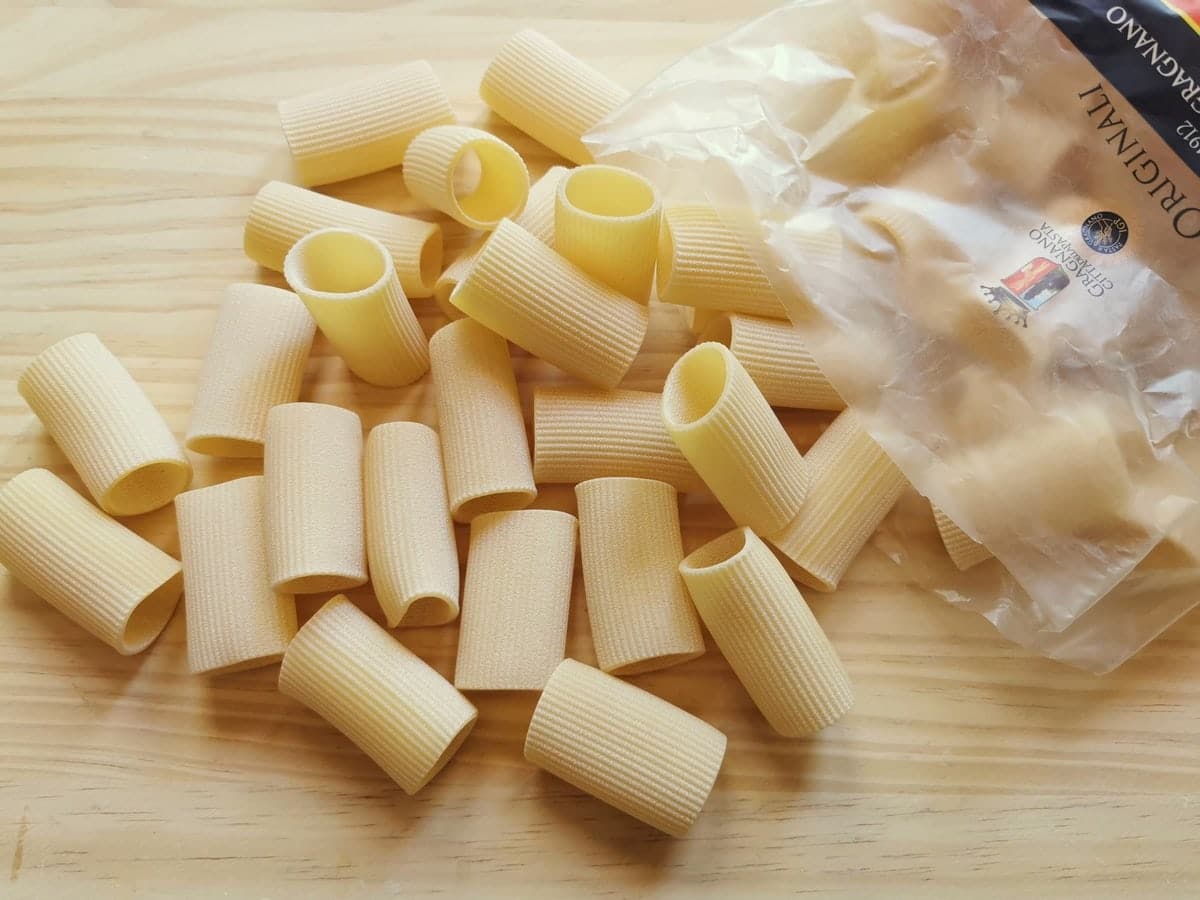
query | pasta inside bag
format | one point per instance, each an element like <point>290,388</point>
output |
<point>984,219</point>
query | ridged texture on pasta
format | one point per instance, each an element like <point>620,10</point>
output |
<point>516,598</point>
<point>431,164</point>
<point>349,284</point>
<point>854,485</point>
<point>549,94</point>
<point>314,500</point>
<point>623,745</point>
<point>484,446</point>
<point>255,360</point>
<point>523,290</point>
<point>606,221</point>
<point>963,549</point>
<point>281,214</point>
<point>777,360</point>
<point>720,420</point>
<point>703,263</point>
<point>767,632</point>
<point>362,126</point>
<point>105,425</point>
<point>582,433</point>
<point>411,552</point>
<point>92,569</point>
<point>234,620</point>
<point>629,539</point>
<point>378,693</point>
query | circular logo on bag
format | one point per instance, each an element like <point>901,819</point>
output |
<point>1105,232</point>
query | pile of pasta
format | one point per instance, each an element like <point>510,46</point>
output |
<point>566,272</point>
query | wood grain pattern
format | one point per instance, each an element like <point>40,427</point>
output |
<point>131,142</point>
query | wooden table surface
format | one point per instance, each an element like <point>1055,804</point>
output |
<point>131,142</point>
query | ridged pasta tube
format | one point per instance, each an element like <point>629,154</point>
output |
<point>377,692</point>
<point>516,598</point>
<point>484,445</point>
<point>549,94</point>
<point>764,628</point>
<point>720,420</point>
<point>582,433</point>
<point>362,126</point>
<point>524,291</point>
<point>281,214</point>
<point>433,160</point>
<point>349,284</point>
<point>624,746</point>
<point>964,551</point>
<point>854,485</point>
<point>629,539</point>
<point>314,501</point>
<point>411,552</point>
<point>235,620</point>
<point>255,360</point>
<point>95,571</point>
<point>105,425</point>
<point>606,221</point>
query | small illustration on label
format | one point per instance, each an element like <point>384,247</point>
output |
<point>1027,289</point>
<point>1105,232</point>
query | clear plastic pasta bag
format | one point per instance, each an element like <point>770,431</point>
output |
<point>984,216</point>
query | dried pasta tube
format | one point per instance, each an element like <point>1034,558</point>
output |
<point>378,693</point>
<point>255,361</point>
<point>106,426</point>
<point>764,628</point>
<point>776,359</point>
<point>484,446</point>
<point>582,433</point>
<point>235,620</point>
<point>516,598</point>
<point>362,126</point>
<point>623,745</point>
<point>606,221</point>
<point>963,549</point>
<point>314,504</point>
<point>410,537</point>
<point>524,291</point>
<point>434,159</point>
<point>728,432</point>
<point>349,284</point>
<point>854,485</point>
<point>549,94</point>
<point>703,263</point>
<point>281,214</point>
<point>629,539</point>
<point>95,571</point>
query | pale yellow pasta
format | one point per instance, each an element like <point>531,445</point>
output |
<point>549,94</point>
<point>314,501</point>
<point>95,571</point>
<point>1030,167</point>
<point>964,550</point>
<point>235,620</point>
<point>526,292</point>
<point>776,359</point>
<point>728,432</point>
<point>581,433</point>
<point>703,263</point>
<point>435,160</point>
<point>624,746</point>
<point>105,425</point>
<point>629,540</point>
<point>255,360</point>
<point>377,692</point>
<point>362,126</point>
<point>516,597</point>
<point>854,485</point>
<point>606,221</point>
<point>484,446</point>
<point>411,552</point>
<point>349,284</point>
<point>281,214</point>
<point>768,634</point>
